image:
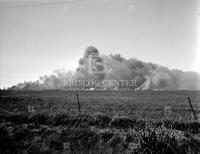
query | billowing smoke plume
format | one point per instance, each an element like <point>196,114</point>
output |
<point>93,66</point>
<point>54,81</point>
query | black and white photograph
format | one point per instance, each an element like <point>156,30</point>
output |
<point>99,77</point>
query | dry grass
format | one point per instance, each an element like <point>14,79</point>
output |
<point>105,125</point>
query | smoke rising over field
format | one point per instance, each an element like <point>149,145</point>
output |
<point>94,66</point>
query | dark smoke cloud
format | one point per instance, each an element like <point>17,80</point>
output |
<point>114,67</point>
<point>153,76</point>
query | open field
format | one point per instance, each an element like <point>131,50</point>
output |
<point>108,122</point>
<point>145,104</point>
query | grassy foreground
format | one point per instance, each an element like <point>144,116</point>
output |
<point>95,133</point>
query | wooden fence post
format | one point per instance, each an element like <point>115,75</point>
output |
<point>195,117</point>
<point>79,108</point>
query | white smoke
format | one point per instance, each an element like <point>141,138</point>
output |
<point>114,67</point>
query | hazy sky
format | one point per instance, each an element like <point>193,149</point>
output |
<point>36,40</point>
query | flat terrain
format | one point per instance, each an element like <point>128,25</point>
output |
<point>146,104</point>
<point>108,122</point>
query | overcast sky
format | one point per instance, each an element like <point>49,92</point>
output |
<point>36,40</point>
